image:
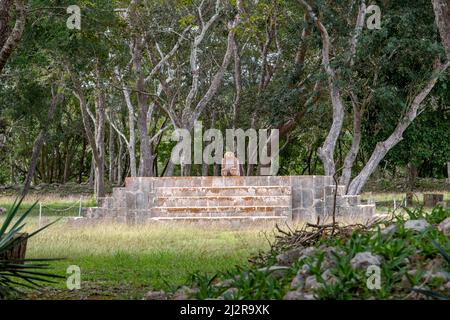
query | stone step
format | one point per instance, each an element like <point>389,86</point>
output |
<point>343,201</point>
<point>234,222</point>
<point>220,218</point>
<point>365,211</point>
<point>209,201</point>
<point>220,211</point>
<point>224,191</point>
<point>216,215</point>
<point>330,190</point>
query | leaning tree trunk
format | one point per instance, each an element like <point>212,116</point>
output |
<point>39,142</point>
<point>382,148</point>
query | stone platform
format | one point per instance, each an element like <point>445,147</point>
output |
<point>251,199</point>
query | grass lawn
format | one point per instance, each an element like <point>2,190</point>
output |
<point>124,262</point>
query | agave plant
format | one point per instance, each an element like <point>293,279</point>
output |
<point>20,273</point>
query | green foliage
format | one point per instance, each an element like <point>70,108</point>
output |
<point>400,251</point>
<point>391,65</point>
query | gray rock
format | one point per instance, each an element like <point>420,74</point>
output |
<point>329,278</point>
<point>444,227</point>
<point>305,269</point>
<point>180,296</point>
<point>230,293</point>
<point>156,295</point>
<point>2,211</point>
<point>226,283</point>
<point>365,259</point>
<point>307,252</point>
<point>417,225</point>
<point>330,257</point>
<point>185,293</point>
<point>298,281</point>
<point>289,257</point>
<point>389,230</point>
<point>311,283</point>
<point>298,295</point>
<point>333,251</point>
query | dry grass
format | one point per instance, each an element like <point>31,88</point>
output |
<point>120,261</point>
<point>399,196</point>
<point>47,198</point>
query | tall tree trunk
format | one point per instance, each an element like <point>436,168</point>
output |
<point>67,163</point>
<point>13,171</point>
<point>448,172</point>
<point>111,154</point>
<point>38,143</point>
<point>326,152</point>
<point>250,166</point>
<point>412,175</point>
<point>131,142</point>
<point>96,138</point>
<point>100,142</point>
<point>83,155</point>
<point>442,15</point>
<point>119,164</point>
<point>91,174</point>
<point>9,39</point>
<point>354,149</point>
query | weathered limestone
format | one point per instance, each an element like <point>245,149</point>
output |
<point>231,198</point>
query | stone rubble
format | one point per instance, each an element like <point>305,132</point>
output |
<point>156,295</point>
<point>417,225</point>
<point>364,260</point>
<point>444,227</point>
<point>289,257</point>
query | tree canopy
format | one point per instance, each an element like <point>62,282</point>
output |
<point>100,103</point>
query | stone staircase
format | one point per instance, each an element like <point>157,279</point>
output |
<point>230,199</point>
<point>228,202</point>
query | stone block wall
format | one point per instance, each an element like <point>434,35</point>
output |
<point>305,198</point>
